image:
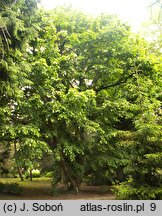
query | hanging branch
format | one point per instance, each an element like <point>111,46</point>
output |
<point>15,1</point>
<point>5,5</point>
<point>2,49</point>
<point>4,35</point>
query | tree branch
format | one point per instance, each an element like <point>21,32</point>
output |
<point>155,2</point>
<point>119,82</point>
<point>15,1</point>
<point>4,37</point>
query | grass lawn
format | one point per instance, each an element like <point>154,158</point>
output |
<point>40,189</point>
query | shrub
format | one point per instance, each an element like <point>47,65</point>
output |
<point>35,174</point>
<point>128,191</point>
<point>10,188</point>
<point>48,174</point>
<point>55,192</point>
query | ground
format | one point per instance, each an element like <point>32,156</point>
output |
<point>40,189</point>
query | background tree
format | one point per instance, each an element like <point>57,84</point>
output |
<point>144,141</point>
<point>15,32</point>
<point>152,29</point>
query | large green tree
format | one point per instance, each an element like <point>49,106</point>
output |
<point>89,76</point>
<point>86,90</point>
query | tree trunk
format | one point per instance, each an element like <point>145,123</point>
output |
<point>19,169</point>
<point>69,177</point>
<point>62,177</point>
<point>31,175</point>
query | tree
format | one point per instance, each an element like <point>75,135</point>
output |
<point>87,93</point>
<point>144,141</point>
<point>86,90</point>
<point>15,32</point>
<point>152,29</point>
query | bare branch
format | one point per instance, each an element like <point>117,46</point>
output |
<point>155,2</point>
<point>119,82</point>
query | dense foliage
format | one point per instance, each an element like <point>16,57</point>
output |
<point>84,93</point>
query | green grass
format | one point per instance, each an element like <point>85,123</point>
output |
<point>36,183</point>
<point>17,180</point>
<point>37,188</point>
<point>40,189</point>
